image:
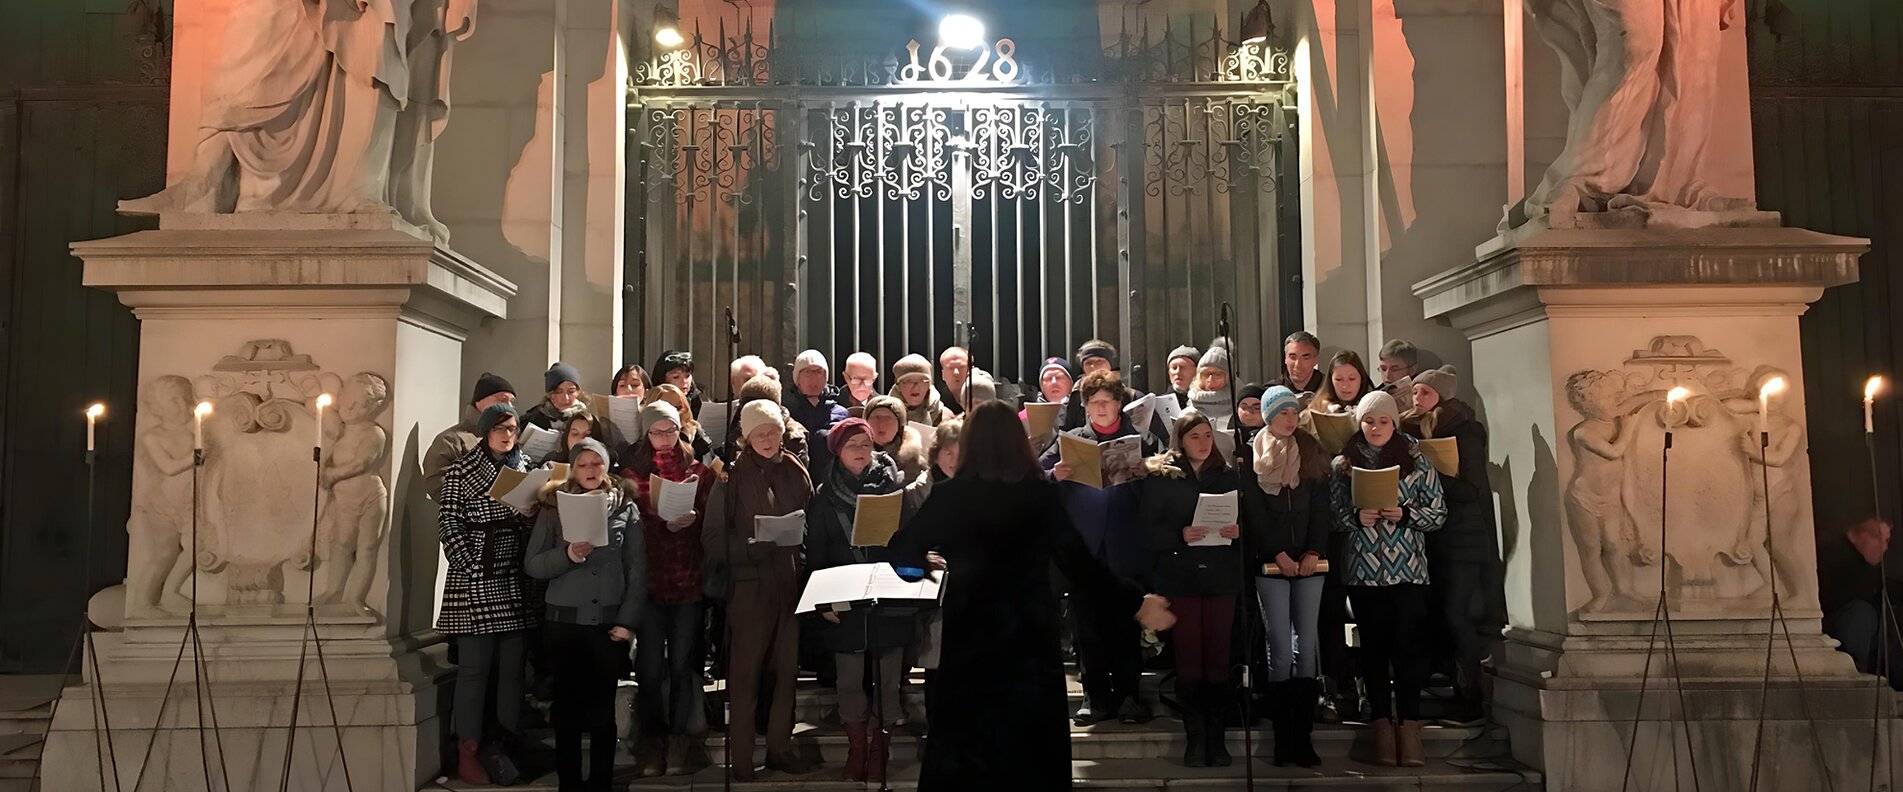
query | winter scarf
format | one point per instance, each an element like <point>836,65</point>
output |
<point>1278,462</point>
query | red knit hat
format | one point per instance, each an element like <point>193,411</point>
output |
<point>844,431</point>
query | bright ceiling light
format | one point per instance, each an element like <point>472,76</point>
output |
<point>961,31</point>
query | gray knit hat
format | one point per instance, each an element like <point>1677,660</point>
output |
<point>659,410</point>
<point>1218,355</point>
<point>558,374</point>
<point>1444,380</point>
<point>589,444</point>
<point>1185,351</point>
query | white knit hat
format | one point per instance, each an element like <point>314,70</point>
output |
<point>811,358</point>
<point>758,413</point>
<point>1377,403</point>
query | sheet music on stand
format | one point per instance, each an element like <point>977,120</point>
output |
<point>843,588</point>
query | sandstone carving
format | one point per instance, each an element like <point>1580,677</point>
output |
<point>1640,78</point>
<point>257,488</point>
<point>1716,544</point>
<point>330,106</point>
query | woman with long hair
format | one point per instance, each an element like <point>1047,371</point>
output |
<point>1387,574</point>
<point>486,608</point>
<point>593,603</point>
<point>1000,716</point>
<point>1201,580</point>
<point>1344,383</point>
<point>668,652</point>
<point>1286,513</point>
<point>631,381</point>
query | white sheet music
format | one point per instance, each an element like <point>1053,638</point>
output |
<point>713,422</point>
<point>584,517</point>
<point>538,442</point>
<point>786,530</point>
<point>838,588</point>
<point>625,413</point>
<point>1214,511</point>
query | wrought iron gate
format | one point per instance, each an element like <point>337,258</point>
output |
<point>866,212</point>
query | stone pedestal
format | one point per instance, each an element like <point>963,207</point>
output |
<point>1578,335</point>
<point>259,314</point>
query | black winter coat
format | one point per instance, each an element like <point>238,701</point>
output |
<point>1001,721</point>
<point>1469,535</point>
<point>829,544</point>
<point>1168,506</point>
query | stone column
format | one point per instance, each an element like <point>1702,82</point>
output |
<point>260,314</point>
<point>596,103</point>
<point>1333,62</point>
<point>1578,335</point>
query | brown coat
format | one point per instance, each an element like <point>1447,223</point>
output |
<point>754,488</point>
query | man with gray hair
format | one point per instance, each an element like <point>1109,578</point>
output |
<point>861,376</point>
<point>747,367</point>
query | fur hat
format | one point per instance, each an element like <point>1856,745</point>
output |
<point>494,415</point>
<point>1444,380</point>
<point>758,413</point>
<point>1378,403</point>
<point>811,358</point>
<point>760,387</point>
<point>1186,351</point>
<point>658,411</point>
<point>558,374</point>
<point>589,444</point>
<point>909,366</point>
<point>1277,399</point>
<point>1217,356</point>
<point>489,385</point>
<point>843,432</point>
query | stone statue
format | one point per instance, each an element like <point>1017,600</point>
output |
<point>162,496</point>
<point>1775,465</point>
<point>322,106</point>
<point>1640,79</point>
<point>1595,513</point>
<point>350,526</point>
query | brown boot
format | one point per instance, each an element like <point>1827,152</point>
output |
<point>1384,742</point>
<point>878,753</point>
<point>1409,749</point>
<point>469,763</point>
<point>856,751</point>
<point>677,754</point>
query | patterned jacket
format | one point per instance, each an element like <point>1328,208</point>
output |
<point>1390,553</point>
<point>485,590</point>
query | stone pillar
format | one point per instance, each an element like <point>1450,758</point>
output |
<point>259,314</point>
<point>595,104</point>
<point>1578,334</point>
<point>1333,61</point>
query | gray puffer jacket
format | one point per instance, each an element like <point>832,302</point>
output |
<point>610,586</point>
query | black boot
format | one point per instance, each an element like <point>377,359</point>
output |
<point>1190,696</point>
<point>1303,694</point>
<point>1276,705</point>
<point>1219,696</point>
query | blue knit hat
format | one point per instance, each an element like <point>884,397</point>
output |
<point>1277,399</point>
<point>494,415</point>
<point>560,373</point>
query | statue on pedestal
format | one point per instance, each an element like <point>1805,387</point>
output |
<point>1640,78</point>
<point>323,106</point>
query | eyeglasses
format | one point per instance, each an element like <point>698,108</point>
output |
<point>664,432</point>
<point>862,380</point>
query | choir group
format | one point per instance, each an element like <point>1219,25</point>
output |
<point>538,613</point>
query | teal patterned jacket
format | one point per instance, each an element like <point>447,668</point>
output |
<point>1390,553</point>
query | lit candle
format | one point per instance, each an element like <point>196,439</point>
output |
<point>198,425</point>
<point>98,409</point>
<point>323,400</point>
<point>1772,386</point>
<point>1870,390</point>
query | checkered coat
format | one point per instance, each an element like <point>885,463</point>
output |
<point>485,590</point>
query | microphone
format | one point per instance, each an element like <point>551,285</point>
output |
<point>1222,324</point>
<point>733,330</point>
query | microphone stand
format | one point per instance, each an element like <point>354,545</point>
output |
<point>1242,561</point>
<point>311,637</point>
<point>1776,620</point>
<point>728,494</point>
<point>1662,614</point>
<point>1886,616</point>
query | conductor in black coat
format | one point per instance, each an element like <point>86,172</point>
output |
<point>1001,719</point>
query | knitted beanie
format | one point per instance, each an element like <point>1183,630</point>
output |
<point>489,385</point>
<point>983,388</point>
<point>885,402</point>
<point>558,374</point>
<point>494,415</point>
<point>1069,368</point>
<point>761,386</point>
<point>910,366</point>
<point>843,432</point>
<point>1097,349</point>
<point>659,411</point>
<point>1217,356</point>
<point>588,444</point>
<point>758,413</point>
<point>1251,391</point>
<point>1444,380</point>
<point>811,358</point>
<point>1190,352</point>
<point>1277,399</point>
<point>1377,403</point>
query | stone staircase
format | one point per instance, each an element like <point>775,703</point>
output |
<point>26,710</point>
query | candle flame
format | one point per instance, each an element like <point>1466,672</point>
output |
<point>1872,387</point>
<point>323,400</point>
<point>1771,387</point>
<point>96,410</point>
<point>1677,395</point>
<point>203,409</point>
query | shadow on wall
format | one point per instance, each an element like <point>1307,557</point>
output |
<point>414,560</point>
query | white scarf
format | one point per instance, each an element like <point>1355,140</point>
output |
<point>1278,462</point>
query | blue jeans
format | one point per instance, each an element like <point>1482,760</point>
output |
<point>667,665</point>
<point>1291,612</point>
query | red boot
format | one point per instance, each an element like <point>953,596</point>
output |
<point>878,752</point>
<point>469,763</point>
<point>856,751</point>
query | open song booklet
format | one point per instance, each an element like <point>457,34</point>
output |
<point>519,489</point>
<point>1213,511</point>
<point>786,530</point>
<point>1101,465</point>
<point>843,588</point>
<point>672,499</point>
<point>1376,489</point>
<point>538,442</point>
